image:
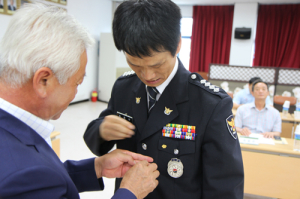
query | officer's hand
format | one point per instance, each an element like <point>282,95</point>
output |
<point>141,179</point>
<point>245,131</point>
<point>115,128</point>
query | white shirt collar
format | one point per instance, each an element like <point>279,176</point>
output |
<point>162,87</point>
<point>252,105</point>
<point>42,127</point>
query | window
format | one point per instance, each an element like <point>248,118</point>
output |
<point>186,33</point>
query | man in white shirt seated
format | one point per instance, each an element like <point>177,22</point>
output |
<point>258,117</point>
<point>245,96</point>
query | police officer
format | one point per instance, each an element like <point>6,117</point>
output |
<point>162,110</point>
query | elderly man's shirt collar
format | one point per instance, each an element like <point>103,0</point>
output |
<point>42,127</point>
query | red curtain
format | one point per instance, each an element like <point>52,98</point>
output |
<point>278,36</point>
<point>211,36</point>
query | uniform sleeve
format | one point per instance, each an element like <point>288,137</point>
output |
<point>123,194</point>
<point>83,175</point>
<point>223,174</point>
<point>237,97</point>
<point>238,118</point>
<point>92,135</point>
<point>277,123</point>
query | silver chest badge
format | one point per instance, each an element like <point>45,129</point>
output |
<point>175,168</point>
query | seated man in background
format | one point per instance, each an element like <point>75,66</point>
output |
<point>42,62</point>
<point>245,96</point>
<point>258,117</point>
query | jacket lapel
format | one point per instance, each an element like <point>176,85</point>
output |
<point>176,92</point>
<point>22,132</point>
<point>157,118</point>
<point>140,110</point>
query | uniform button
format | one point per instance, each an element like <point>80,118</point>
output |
<point>176,151</point>
<point>144,146</point>
<point>193,76</point>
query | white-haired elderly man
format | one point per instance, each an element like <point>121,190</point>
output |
<point>42,61</point>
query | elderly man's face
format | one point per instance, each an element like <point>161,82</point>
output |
<point>64,94</point>
<point>11,2</point>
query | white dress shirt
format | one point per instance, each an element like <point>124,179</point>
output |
<point>42,127</point>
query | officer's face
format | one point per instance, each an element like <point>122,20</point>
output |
<point>260,91</point>
<point>153,70</point>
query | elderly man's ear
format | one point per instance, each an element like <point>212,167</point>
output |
<point>44,82</point>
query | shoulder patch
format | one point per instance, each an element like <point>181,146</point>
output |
<point>231,126</point>
<point>197,80</point>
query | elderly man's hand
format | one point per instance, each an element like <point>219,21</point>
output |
<point>116,163</point>
<point>141,179</point>
<point>245,131</point>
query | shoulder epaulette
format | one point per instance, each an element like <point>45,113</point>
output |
<point>127,74</point>
<point>197,80</point>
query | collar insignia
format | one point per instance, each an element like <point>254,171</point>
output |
<point>168,111</point>
<point>138,100</point>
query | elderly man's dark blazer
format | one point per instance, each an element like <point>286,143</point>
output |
<point>30,169</point>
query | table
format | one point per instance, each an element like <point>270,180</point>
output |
<point>55,142</point>
<point>272,170</point>
<point>288,124</point>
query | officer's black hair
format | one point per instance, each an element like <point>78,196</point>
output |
<point>142,26</point>
<point>253,79</point>
<point>259,81</point>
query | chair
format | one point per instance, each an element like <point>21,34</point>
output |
<point>203,74</point>
<point>230,94</point>
<point>279,101</point>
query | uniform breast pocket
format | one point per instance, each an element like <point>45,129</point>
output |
<point>176,153</point>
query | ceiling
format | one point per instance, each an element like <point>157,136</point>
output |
<point>222,2</point>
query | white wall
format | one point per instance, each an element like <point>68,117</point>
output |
<point>107,66</point>
<point>245,15</point>
<point>186,11</point>
<point>96,16</point>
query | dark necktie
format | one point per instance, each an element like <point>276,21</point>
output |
<point>152,92</point>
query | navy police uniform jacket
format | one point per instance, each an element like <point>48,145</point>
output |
<point>212,161</point>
